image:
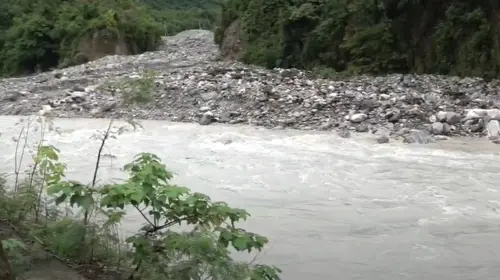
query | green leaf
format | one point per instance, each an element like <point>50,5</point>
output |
<point>61,199</point>
<point>13,244</point>
<point>175,191</point>
<point>241,243</point>
<point>86,201</point>
<point>53,189</point>
<point>137,196</point>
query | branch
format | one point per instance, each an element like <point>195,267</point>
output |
<point>17,167</point>
<point>99,153</point>
<point>167,224</point>
<point>146,218</point>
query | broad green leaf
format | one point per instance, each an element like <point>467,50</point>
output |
<point>55,188</point>
<point>137,196</point>
<point>241,243</point>
<point>60,199</point>
<point>86,201</point>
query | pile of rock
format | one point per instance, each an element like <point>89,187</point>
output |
<point>191,85</point>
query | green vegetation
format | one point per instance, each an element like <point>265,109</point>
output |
<point>37,35</point>
<point>456,37</point>
<point>178,15</point>
<point>83,229</point>
<point>137,90</point>
<point>179,5</point>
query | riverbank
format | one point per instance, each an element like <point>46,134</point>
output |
<point>185,82</point>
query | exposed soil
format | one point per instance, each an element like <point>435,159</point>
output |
<point>232,47</point>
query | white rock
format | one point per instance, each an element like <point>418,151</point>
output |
<point>481,113</point>
<point>493,128</point>
<point>441,116</point>
<point>357,118</point>
<point>384,96</point>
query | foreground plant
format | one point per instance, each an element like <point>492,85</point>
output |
<point>159,251</point>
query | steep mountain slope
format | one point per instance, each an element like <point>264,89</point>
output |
<point>368,36</point>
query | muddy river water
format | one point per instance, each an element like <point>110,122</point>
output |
<point>333,208</point>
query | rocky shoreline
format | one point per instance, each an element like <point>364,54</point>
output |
<point>187,83</point>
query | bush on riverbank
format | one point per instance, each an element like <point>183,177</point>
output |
<point>89,239</point>
<point>366,36</point>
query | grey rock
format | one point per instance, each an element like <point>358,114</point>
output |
<point>496,141</point>
<point>382,139</point>
<point>12,96</point>
<point>452,118</point>
<point>441,137</point>
<point>78,88</point>
<point>357,118</point>
<point>109,106</point>
<point>344,133</point>
<point>362,128</point>
<point>418,137</point>
<point>393,115</point>
<point>326,126</point>
<point>439,128</point>
<point>207,96</point>
<point>446,128</point>
<point>206,119</point>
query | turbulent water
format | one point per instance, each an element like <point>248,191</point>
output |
<point>334,208</point>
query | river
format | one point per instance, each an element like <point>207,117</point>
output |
<point>333,208</point>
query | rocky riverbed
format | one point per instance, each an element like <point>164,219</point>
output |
<point>186,81</point>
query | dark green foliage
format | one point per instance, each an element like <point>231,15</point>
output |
<point>175,21</point>
<point>369,36</point>
<point>43,34</point>
<point>181,5</point>
<point>178,15</point>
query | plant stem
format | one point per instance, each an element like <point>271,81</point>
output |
<point>16,167</point>
<point>99,153</point>
<point>146,218</point>
<point>97,164</point>
<point>39,197</point>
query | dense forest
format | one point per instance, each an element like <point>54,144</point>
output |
<point>457,37</point>
<point>37,35</point>
<point>182,5</point>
